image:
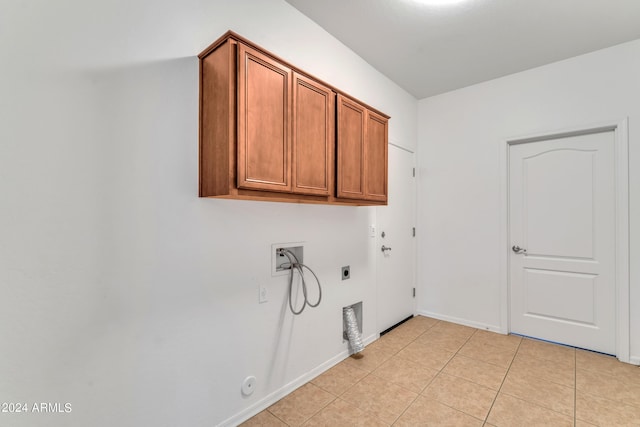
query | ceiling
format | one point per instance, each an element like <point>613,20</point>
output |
<point>429,50</point>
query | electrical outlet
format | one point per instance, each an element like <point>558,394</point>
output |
<point>263,294</point>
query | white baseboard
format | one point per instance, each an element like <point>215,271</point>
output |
<point>477,325</point>
<point>634,360</point>
<point>272,398</point>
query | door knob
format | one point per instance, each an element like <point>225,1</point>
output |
<point>518,250</point>
<point>385,248</point>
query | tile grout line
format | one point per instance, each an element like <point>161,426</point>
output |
<point>278,418</point>
<point>430,381</point>
<point>368,373</point>
<point>471,358</point>
<point>313,414</point>
<point>350,387</point>
<point>486,418</point>
<point>340,395</point>
<point>599,396</point>
<point>458,351</point>
<point>575,387</point>
<point>421,332</point>
<point>439,372</point>
<point>484,421</point>
<point>395,352</point>
<point>615,377</point>
<point>417,394</point>
<point>534,403</point>
<point>404,340</point>
<point>322,408</point>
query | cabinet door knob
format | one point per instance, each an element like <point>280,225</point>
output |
<point>385,248</point>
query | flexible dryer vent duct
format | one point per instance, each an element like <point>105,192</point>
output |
<point>353,332</point>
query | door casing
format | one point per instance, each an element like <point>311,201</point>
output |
<point>409,261</point>
<point>621,149</point>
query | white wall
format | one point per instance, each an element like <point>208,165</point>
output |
<point>461,135</point>
<point>122,292</point>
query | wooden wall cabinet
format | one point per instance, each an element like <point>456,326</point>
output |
<point>313,136</point>
<point>268,132</point>
<point>264,110</point>
<point>362,152</point>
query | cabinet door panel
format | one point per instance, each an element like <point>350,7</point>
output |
<point>313,136</point>
<point>263,122</point>
<point>351,137</point>
<point>375,155</point>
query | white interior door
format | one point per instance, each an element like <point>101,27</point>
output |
<point>562,232</point>
<point>396,266</point>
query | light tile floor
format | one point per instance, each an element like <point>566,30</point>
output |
<point>434,373</point>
